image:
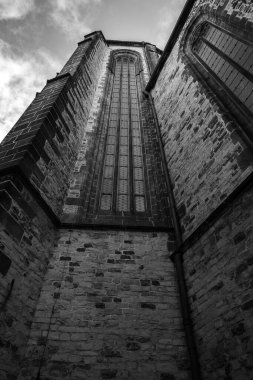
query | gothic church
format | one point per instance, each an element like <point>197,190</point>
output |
<point>126,210</point>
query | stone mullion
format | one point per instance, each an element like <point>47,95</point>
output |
<point>130,150</point>
<point>139,86</point>
<point>116,162</point>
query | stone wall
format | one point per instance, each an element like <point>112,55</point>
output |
<point>26,237</point>
<point>219,270</point>
<point>36,159</point>
<point>45,140</point>
<point>209,165</point>
<point>108,309</point>
<point>152,56</point>
<point>82,174</point>
<point>206,157</point>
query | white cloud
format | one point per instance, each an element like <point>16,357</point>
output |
<point>168,17</point>
<point>15,9</point>
<point>21,76</point>
<point>74,17</point>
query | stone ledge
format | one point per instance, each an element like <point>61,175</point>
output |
<point>59,77</point>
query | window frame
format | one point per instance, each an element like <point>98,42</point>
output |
<point>131,57</point>
<point>233,109</point>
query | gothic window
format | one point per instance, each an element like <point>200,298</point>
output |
<point>229,62</point>
<point>229,59</point>
<point>123,188</point>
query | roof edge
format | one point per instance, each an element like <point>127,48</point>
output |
<point>90,35</point>
<point>170,44</point>
<point>132,43</point>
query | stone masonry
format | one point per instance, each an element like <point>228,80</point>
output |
<point>92,293</point>
<point>208,162</point>
<point>206,157</point>
<point>219,278</point>
<point>108,310</point>
<point>27,235</point>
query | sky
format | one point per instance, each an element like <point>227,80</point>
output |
<point>38,36</point>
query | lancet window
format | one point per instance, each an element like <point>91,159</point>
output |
<point>123,182</point>
<point>228,58</point>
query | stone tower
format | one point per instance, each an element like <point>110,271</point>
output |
<point>126,210</point>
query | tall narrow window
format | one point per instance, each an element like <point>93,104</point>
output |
<point>228,59</point>
<point>123,187</point>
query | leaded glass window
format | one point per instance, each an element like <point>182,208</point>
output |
<point>228,58</point>
<point>123,182</point>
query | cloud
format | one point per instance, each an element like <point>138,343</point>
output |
<point>167,19</point>
<point>15,9</point>
<point>22,74</point>
<point>74,17</point>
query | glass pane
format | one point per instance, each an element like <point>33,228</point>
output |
<point>108,172</point>
<point>227,71</point>
<point>123,160</point>
<point>123,111</point>
<point>138,174</point>
<point>109,160</point>
<point>123,172</point>
<point>106,201</point>
<point>139,187</point>
<point>140,204</point>
<point>107,186</point>
<point>123,187</point>
<point>123,203</point>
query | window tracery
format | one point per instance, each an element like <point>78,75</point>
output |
<point>123,187</point>
<point>225,64</point>
<point>230,59</point>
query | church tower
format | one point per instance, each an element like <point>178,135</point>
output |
<point>126,210</point>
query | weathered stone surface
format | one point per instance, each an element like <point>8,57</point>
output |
<point>206,156</point>
<point>26,237</point>
<point>207,161</point>
<point>220,291</point>
<point>110,326</point>
<point>45,141</point>
<point>108,305</point>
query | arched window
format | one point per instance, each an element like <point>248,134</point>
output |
<point>123,185</point>
<point>228,61</point>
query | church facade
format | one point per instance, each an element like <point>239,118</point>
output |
<point>126,210</point>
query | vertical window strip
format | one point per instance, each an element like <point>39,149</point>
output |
<point>123,201</point>
<point>124,125</point>
<point>137,158</point>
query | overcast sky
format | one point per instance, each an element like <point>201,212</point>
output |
<point>37,37</point>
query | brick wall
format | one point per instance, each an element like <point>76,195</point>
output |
<point>109,303</point>
<point>81,176</point>
<point>26,236</point>
<point>206,157</point>
<point>45,140</point>
<point>208,161</point>
<point>219,270</point>
<point>36,158</point>
<point>152,56</point>
<point>108,310</point>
